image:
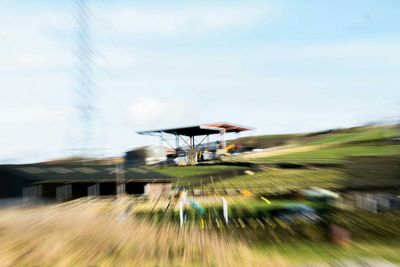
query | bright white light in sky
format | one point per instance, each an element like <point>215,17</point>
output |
<point>278,66</point>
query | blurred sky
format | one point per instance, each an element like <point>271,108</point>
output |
<point>278,66</point>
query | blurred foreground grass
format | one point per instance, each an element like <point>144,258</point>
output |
<point>93,233</point>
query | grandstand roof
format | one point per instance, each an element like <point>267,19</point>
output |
<point>202,129</point>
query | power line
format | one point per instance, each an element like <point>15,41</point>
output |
<point>84,54</point>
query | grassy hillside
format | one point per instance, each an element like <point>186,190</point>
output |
<point>197,171</point>
<point>276,180</point>
<point>331,146</point>
<point>334,136</point>
<point>333,154</point>
<point>264,141</point>
<point>357,135</point>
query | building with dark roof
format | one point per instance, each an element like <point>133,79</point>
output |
<point>73,180</point>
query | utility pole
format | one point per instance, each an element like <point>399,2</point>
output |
<point>84,54</point>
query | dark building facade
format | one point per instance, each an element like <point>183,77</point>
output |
<point>74,180</point>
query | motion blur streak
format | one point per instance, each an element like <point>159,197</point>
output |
<point>89,234</point>
<point>93,233</point>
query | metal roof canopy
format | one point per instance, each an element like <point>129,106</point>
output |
<point>197,130</point>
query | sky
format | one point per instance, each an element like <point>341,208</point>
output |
<point>278,66</point>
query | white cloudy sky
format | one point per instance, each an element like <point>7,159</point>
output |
<point>278,66</point>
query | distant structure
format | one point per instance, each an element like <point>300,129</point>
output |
<point>191,152</point>
<point>147,155</point>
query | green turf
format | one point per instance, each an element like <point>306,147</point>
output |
<point>333,154</point>
<point>361,134</point>
<point>196,171</point>
<point>255,205</point>
<point>339,136</point>
<point>276,180</point>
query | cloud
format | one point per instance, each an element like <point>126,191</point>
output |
<point>387,51</point>
<point>29,39</point>
<point>171,21</point>
<point>156,112</point>
<point>33,114</point>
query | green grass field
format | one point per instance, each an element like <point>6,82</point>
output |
<point>276,180</point>
<point>268,140</point>
<point>333,154</point>
<point>196,171</point>
<point>356,135</point>
<point>338,136</point>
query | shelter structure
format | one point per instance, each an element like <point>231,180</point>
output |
<point>188,134</point>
